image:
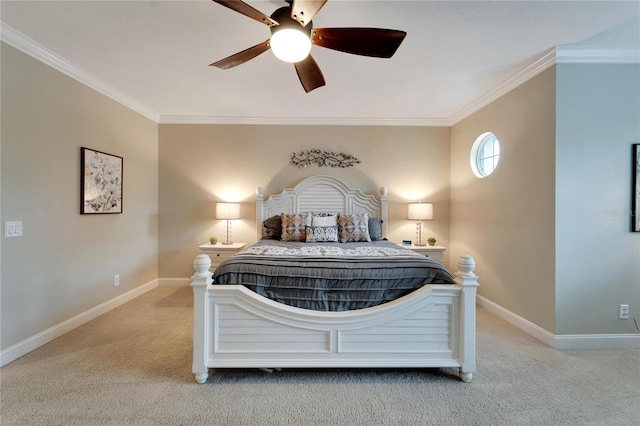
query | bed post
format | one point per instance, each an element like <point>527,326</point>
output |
<point>469,282</point>
<point>199,281</point>
<point>259,212</point>
<point>384,209</point>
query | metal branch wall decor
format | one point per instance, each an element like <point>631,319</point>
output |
<point>323,159</point>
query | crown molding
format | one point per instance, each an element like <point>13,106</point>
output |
<point>305,121</point>
<point>30,47</point>
<point>540,64</point>
<point>597,55</point>
<point>559,55</point>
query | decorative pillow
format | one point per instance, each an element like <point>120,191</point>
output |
<point>293,226</point>
<point>322,234</point>
<point>324,220</point>
<point>353,227</point>
<point>375,228</point>
<point>272,228</point>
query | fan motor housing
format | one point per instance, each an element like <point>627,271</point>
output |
<point>283,17</point>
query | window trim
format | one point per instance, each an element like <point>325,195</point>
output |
<point>477,149</point>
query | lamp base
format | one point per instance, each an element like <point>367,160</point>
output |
<point>227,241</point>
<point>419,242</point>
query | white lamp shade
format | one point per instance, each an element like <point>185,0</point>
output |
<point>290,45</point>
<point>227,211</point>
<point>420,211</point>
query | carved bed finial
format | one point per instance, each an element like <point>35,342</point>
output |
<point>466,264</point>
<point>201,264</point>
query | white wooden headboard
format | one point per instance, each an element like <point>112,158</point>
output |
<point>321,194</point>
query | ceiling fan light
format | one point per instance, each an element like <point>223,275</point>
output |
<point>290,45</point>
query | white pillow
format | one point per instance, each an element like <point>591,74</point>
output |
<point>324,220</point>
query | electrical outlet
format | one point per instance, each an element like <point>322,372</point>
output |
<point>624,311</point>
<point>116,282</point>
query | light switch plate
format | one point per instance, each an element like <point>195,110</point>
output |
<point>13,229</point>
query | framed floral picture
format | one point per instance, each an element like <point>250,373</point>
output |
<point>635,196</point>
<point>101,182</point>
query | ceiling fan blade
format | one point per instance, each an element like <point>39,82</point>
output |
<point>309,74</point>
<point>303,11</point>
<point>246,10</point>
<point>242,57</point>
<point>376,42</point>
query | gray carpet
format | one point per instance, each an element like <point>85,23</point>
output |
<point>132,366</point>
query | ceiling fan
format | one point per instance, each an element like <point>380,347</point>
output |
<point>292,31</point>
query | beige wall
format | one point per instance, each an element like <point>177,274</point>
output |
<point>203,164</point>
<point>506,220</point>
<point>550,228</point>
<point>65,263</point>
<point>174,174</point>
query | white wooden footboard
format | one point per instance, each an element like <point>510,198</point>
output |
<point>431,327</point>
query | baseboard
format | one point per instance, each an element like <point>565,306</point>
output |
<point>562,342</point>
<point>174,282</point>
<point>22,348</point>
<point>527,326</point>
<point>597,341</point>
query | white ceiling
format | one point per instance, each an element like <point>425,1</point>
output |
<point>153,55</point>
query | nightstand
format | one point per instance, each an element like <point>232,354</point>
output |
<point>432,252</point>
<point>219,252</point>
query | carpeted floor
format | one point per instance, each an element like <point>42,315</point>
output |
<point>132,366</point>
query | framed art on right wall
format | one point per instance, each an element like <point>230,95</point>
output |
<point>635,197</point>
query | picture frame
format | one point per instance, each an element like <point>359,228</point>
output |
<point>101,182</point>
<point>635,189</point>
<point>406,242</point>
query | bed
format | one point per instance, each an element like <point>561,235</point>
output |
<point>236,326</point>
